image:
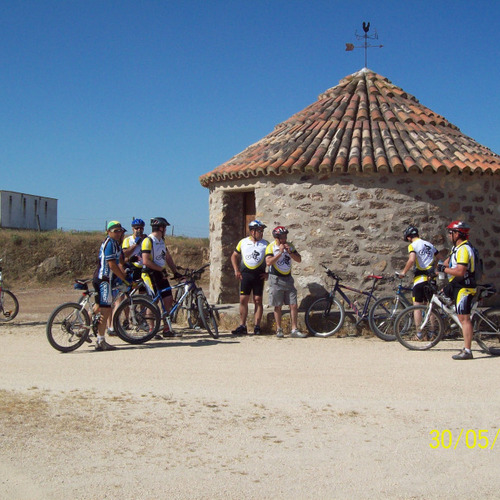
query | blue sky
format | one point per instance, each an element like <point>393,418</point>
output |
<point>116,108</point>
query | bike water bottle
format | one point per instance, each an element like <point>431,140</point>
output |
<point>441,275</point>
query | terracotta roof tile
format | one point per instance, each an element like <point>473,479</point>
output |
<point>364,124</point>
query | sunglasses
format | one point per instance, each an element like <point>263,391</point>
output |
<point>117,231</point>
<point>451,232</point>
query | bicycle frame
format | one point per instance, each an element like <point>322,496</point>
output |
<point>157,298</point>
<point>401,290</point>
<point>189,285</point>
<point>451,313</point>
<point>361,314</point>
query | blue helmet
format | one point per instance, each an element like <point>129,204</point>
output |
<point>138,222</point>
<point>256,224</point>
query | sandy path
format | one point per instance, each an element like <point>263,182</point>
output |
<point>254,417</point>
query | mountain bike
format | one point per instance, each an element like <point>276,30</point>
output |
<point>188,307</point>
<point>9,305</point>
<point>326,316</point>
<point>126,324</point>
<point>71,324</point>
<point>384,311</point>
<point>422,327</point>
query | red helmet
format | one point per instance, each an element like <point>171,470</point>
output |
<point>459,226</point>
<point>278,231</point>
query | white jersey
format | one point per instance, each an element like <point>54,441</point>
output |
<point>156,247</point>
<point>253,254</point>
<point>424,252</point>
<point>283,266</point>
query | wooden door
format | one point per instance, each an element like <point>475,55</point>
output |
<point>248,211</point>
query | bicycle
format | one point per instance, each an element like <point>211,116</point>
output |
<point>189,305</point>
<point>326,315</point>
<point>192,299</point>
<point>384,311</point>
<point>9,305</point>
<point>431,328</point>
<point>70,325</point>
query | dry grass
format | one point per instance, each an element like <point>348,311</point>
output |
<point>75,254</point>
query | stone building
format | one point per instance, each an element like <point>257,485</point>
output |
<point>346,175</point>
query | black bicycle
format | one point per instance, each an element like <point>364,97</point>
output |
<point>326,316</point>
<point>138,319</point>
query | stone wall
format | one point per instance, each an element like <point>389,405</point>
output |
<point>354,222</point>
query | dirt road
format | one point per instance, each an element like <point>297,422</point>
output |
<point>254,417</point>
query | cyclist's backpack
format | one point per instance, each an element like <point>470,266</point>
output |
<point>479,264</point>
<point>474,278</point>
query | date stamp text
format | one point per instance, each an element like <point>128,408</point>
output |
<point>471,438</point>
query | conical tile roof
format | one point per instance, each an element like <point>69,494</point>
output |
<point>364,124</point>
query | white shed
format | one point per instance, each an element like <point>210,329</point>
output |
<point>27,211</point>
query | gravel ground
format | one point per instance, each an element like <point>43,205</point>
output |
<point>246,417</point>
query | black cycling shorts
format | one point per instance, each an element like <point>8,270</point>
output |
<point>252,282</point>
<point>422,292</point>
<point>155,281</point>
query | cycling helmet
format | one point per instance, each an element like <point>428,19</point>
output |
<point>459,226</point>
<point>279,230</point>
<point>159,221</point>
<point>410,231</point>
<point>256,224</point>
<point>138,222</point>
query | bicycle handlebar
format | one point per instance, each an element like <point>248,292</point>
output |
<point>192,273</point>
<point>331,274</point>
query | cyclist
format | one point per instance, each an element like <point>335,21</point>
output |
<point>251,272</point>
<point>279,256</point>
<point>132,248</point>
<point>109,272</point>
<point>422,257</point>
<point>461,268</point>
<point>155,258</point>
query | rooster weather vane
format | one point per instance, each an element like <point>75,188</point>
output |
<point>366,45</point>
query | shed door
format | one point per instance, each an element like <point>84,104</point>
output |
<point>248,211</point>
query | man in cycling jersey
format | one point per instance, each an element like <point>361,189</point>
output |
<point>132,248</point>
<point>111,269</point>
<point>155,258</point>
<point>251,272</point>
<point>461,268</point>
<point>421,257</point>
<point>279,257</point>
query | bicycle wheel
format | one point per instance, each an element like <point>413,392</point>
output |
<point>136,320</point>
<point>325,317</point>
<point>382,316</point>
<point>487,330</point>
<point>177,294</point>
<point>409,333</point>
<point>207,315</point>
<point>9,306</point>
<point>68,327</point>
<point>192,312</point>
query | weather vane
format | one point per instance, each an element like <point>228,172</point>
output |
<point>365,37</point>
